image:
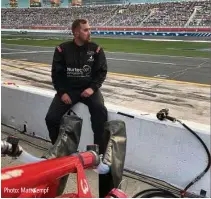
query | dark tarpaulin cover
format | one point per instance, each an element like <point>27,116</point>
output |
<point>114,147</point>
<point>114,156</point>
<point>67,142</point>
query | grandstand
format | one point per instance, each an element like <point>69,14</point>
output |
<point>162,14</point>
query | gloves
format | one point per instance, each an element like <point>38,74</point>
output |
<point>102,168</point>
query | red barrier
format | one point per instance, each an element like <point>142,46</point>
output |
<point>154,29</point>
<point>151,29</point>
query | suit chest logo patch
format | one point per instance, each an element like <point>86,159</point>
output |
<point>91,59</point>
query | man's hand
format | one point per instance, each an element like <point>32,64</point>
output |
<point>86,93</point>
<point>66,99</point>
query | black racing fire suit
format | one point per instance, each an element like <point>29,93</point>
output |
<point>78,67</point>
<point>74,69</point>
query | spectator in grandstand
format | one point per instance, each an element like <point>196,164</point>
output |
<point>175,14</point>
<point>78,70</point>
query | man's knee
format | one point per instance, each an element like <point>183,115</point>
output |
<point>99,110</point>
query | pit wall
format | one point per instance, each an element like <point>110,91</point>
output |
<point>161,149</point>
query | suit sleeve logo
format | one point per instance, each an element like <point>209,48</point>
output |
<point>59,49</point>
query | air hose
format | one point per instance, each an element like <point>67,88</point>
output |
<point>150,193</point>
<point>163,114</point>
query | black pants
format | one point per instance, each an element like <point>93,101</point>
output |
<point>99,116</point>
<point>97,111</point>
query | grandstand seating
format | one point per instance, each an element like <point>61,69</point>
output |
<point>170,14</point>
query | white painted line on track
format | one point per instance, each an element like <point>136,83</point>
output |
<point>27,52</point>
<point>141,61</point>
<point>14,49</point>
<point>109,58</point>
<point>29,45</point>
<point>153,55</point>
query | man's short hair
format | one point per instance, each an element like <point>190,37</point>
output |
<point>77,23</point>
